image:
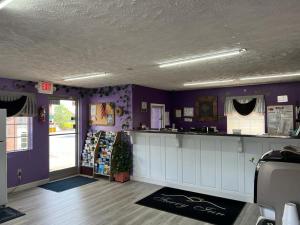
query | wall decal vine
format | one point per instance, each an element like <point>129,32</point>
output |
<point>122,93</point>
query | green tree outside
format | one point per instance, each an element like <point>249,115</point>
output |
<point>62,117</point>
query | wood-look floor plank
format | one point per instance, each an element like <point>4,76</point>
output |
<point>101,203</point>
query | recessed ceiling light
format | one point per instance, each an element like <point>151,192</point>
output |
<point>207,82</point>
<point>271,76</point>
<point>4,3</point>
<point>85,76</point>
<point>199,58</point>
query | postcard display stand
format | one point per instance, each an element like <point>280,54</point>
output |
<point>88,153</point>
<point>97,153</point>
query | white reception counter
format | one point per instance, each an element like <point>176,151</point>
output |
<point>220,165</point>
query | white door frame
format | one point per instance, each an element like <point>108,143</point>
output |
<point>163,112</point>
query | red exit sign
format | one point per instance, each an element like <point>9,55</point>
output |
<point>45,87</point>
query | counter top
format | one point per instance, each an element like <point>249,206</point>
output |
<point>214,134</point>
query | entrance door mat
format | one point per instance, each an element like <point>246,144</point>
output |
<point>206,208</point>
<point>7,214</point>
<point>67,184</point>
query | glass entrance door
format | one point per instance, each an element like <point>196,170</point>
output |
<point>63,154</point>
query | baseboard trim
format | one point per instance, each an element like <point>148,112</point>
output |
<point>228,195</point>
<point>27,186</point>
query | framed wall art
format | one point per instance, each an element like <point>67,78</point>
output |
<point>188,112</point>
<point>206,108</point>
<point>178,113</point>
<point>144,106</point>
<point>102,114</point>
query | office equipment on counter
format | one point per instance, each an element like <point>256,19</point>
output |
<point>280,119</point>
<point>237,131</point>
<point>203,129</point>
<point>213,129</point>
<point>277,182</point>
<point>3,159</point>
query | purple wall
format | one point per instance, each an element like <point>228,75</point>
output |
<point>35,163</point>
<point>122,97</point>
<point>182,99</point>
<point>150,95</point>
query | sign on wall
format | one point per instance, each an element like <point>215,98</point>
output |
<point>282,98</point>
<point>280,119</point>
<point>188,112</point>
<point>45,87</point>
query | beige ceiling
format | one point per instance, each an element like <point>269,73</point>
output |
<point>51,39</point>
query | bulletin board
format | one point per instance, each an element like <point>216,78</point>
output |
<point>280,119</point>
<point>102,114</point>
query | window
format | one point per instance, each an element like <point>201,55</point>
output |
<point>253,124</point>
<point>18,134</point>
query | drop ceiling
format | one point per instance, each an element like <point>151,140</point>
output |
<point>52,39</point>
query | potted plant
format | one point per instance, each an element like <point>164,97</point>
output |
<point>121,161</point>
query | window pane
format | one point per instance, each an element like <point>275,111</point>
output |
<point>10,120</point>
<point>10,131</point>
<point>21,120</point>
<point>253,124</point>
<point>22,143</point>
<point>10,144</point>
<point>21,130</point>
<point>19,133</point>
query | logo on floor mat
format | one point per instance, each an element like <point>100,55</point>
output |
<point>197,204</point>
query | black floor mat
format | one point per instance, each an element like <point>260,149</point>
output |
<point>67,184</point>
<point>206,208</point>
<point>7,214</point>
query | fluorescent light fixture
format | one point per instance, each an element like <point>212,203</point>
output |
<point>4,3</point>
<point>271,76</point>
<point>207,82</point>
<point>199,58</point>
<point>85,76</point>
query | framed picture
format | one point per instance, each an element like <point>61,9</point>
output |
<point>178,113</point>
<point>188,112</point>
<point>144,107</point>
<point>206,108</point>
<point>188,119</point>
<point>102,114</point>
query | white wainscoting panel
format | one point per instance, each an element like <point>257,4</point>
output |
<point>190,146</point>
<point>208,162</point>
<point>156,157</point>
<point>172,155</point>
<point>253,152</point>
<point>140,156</point>
<point>215,165</point>
<point>230,165</point>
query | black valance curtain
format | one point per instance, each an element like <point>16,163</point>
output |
<point>244,105</point>
<point>18,104</point>
<point>244,108</point>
